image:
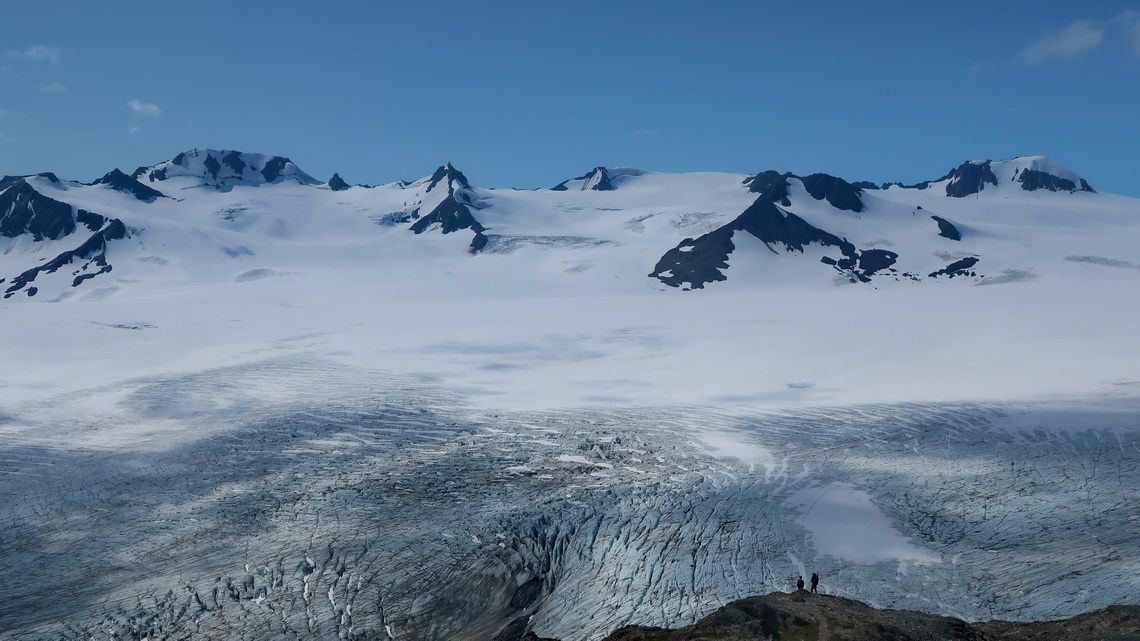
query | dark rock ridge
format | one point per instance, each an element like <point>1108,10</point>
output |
<point>805,616</point>
<point>1032,180</point>
<point>91,257</point>
<point>773,187</point>
<point>336,183</point>
<point>840,193</point>
<point>27,211</point>
<point>598,179</point>
<point>454,212</point>
<point>700,261</point>
<point>119,181</point>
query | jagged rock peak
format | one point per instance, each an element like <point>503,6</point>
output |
<point>453,177</point>
<point>773,188</point>
<point>336,183</point>
<point>226,168</point>
<point>597,179</point>
<point>119,181</point>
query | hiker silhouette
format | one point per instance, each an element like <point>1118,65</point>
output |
<point>800,583</point>
<point>814,581</point>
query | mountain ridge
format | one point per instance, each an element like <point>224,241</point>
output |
<point>817,214</point>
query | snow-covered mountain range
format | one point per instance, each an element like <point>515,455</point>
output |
<point>239,402</point>
<point>205,205</point>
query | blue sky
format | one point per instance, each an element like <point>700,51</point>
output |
<point>527,94</point>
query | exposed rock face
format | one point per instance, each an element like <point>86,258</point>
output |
<point>89,260</point>
<point>806,616</point>
<point>1032,180</point>
<point>23,210</point>
<point>702,260</point>
<point>840,193</point>
<point>946,229</point>
<point>957,268</point>
<point>27,212</point>
<point>336,183</point>
<point>771,185</point>
<point>598,179</point>
<point>119,181</point>
<point>969,178</point>
<point>453,212</point>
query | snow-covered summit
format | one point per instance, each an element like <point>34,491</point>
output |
<point>226,168</point>
<point>1039,172</point>
<point>1024,173</point>
<point>599,179</point>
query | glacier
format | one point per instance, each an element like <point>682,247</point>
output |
<point>268,407</point>
<point>369,505</point>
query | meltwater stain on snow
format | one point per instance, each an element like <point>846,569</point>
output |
<point>845,523</point>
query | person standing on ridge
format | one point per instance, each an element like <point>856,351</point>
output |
<point>814,581</point>
<point>800,583</point>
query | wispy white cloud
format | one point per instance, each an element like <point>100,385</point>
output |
<point>54,87</point>
<point>134,129</point>
<point>1070,42</point>
<point>144,109</point>
<point>39,53</point>
<point>1130,20</point>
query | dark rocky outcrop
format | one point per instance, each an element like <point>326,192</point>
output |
<point>23,210</point>
<point>119,181</point>
<point>701,260</point>
<point>969,178</point>
<point>451,177</point>
<point>946,229</point>
<point>598,179</point>
<point>27,211</point>
<point>807,617</point>
<point>1032,180</point>
<point>961,267</point>
<point>771,185</point>
<point>93,252</point>
<point>336,183</point>
<point>454,212</point>
<point>840,193</point>
<point>451,215</point>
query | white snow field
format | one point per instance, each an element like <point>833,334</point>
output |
<point>283,414</point>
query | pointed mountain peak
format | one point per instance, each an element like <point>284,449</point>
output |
<point>336,183</point>
<point>454,178</point>
<point>224,169</point>
<point>597,179</point>
<point>119,181</point>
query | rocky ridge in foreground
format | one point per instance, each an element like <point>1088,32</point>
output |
<point>803,616</point>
